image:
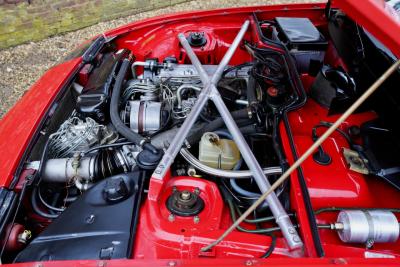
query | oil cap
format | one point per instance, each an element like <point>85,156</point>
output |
<point>197,39</point>
<point>115,190</point>
<point>148,160</point>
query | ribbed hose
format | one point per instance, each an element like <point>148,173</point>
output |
<point>115,116</point>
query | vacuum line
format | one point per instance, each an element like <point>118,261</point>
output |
<point>306,154</point>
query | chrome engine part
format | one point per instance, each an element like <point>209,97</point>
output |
<point>363,226</point>
<point>162,93</point>
<point>76,135</point>
<point>143,116</point>
<point>87,170</point>
<point>185,73</point>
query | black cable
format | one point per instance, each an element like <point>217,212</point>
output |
<point>251,91</point>
<point>36,208</point>
<point>271,247</point>
<point>298,100</point>
<point>236,67</point>
<point>107,146</point>
<point>277,145</point>
<point>218,123</point>
<point>47,205</point>
<point>327,125</point>
<point>42,163</point>
<point>330,209</point>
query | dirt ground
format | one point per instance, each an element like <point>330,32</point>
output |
<point>22,65</point>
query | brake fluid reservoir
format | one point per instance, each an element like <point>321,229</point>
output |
<point>218,153</point>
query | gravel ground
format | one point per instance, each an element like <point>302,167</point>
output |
<point>22,65</point>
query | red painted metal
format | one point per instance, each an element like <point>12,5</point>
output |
<point>322,262</point>
<point>161,237</point>
<point>372,15</point>
<point>335,185</point>
<point>18,126</point>
<point>14,231</point>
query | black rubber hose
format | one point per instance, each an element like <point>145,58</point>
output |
<point>238,115</point>
<point>106,146</point>
<point>42,163</point>
<point>115,116</point>
<point>36,208</point>
<point>277,143</point>
<point>271,247</point>
<point>251,90</point>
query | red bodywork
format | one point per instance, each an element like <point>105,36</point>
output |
<point>158,237</point>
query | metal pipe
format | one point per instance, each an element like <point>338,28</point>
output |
<point>307,153</point>
<point>182,88</point>
<point>134,65</point>
<point>61,170</point>
<point>282,219</point>
<point>202,99</point>
<point>224,173</point>
<point>242,102</point>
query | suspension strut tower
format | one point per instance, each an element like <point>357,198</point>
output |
<point>210,91</point>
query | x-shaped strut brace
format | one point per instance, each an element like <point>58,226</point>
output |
<point>210,91</point>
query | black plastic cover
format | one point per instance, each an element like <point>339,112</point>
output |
<point>147,160</point>
<point>95,97</point>
<point>301,34</point>
<point>93,227</point>
<point>381,147</point>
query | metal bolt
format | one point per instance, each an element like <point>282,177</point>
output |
<point>339,261</point>
<point>249,263</point>
<point>191,171</point>
<point>296,239</point>
<point>197,191</point>
<point>185,195</point>
<point>171,217</point>
<point>90,219</point>
<point>196,219</point>
<point>370,243</point>
<point>24,236</point>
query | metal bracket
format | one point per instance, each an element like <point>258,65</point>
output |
<point>211,92</point>
<point>355,162</point>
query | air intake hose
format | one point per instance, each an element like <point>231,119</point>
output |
<point>115,116</point>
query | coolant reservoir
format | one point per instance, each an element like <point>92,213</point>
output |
<point>218,153</point>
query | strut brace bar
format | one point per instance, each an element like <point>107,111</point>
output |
<point>211,92</point>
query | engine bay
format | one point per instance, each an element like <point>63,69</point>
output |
<point>94,191</point>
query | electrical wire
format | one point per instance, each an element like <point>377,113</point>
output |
<point>47,205</point>
<point>330,209</point>
<point>106,146</point>
<point>308,152</point>
<point>271,247</point>
<point>36,207</point>
<point>251,231</point>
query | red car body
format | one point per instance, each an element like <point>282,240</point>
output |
<point>19,126</point>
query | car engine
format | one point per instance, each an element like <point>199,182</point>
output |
<point>93,193</point>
